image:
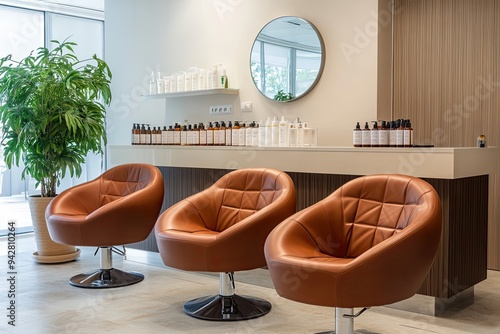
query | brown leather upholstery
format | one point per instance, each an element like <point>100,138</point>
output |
<point>371,242</point>
<point>119,207</point>
<point>224,227</point>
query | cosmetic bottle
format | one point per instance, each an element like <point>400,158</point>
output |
<point>184,135</point>
<point>215,77</point>
<point>148,135</point>
<point>283,132</point>
<point>202,80</point>
<point>132,138</point>
<point>223,79</point>
<point>173,83</point>
<point>314,137</point>
<point>152,84</point>
<point>292,135</point>
<point>181,81</point>
<point>189,135</point>
<point>262,134</point>
<point>255,134</point>
<point>210,134</point>
<point>164,136</point>
<point>235,134</point>
<point>209,79</point>
<point>229,134</point>
<point>407,134</point>
<point>159,84</point>
<point>248,134</point>
<point>356,136</point>
<point>300,133</point>
<point>188,86</point>
<point>153,136</point>
<point>222,133</point>
<point>374,135</point>
<point>242,135</point>
<point>399,133</point>
<point>216,133</point>
<point>177,134</point>
<point>481,141</point>
<point>166,84</point>
<point>383,135</point>
<point>268,133</point>
<point>196,135</point>
<point>275,132</point>
<point>392,134</point>
<point>194,79</point>
<point>203,134</point>
<point>366,136</point>
<point>170,135</point>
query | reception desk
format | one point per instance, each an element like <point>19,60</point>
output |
<point>459,175</point>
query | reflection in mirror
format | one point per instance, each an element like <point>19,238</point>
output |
<point>287,58</point>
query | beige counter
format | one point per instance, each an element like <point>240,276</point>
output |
<point>439,163</point>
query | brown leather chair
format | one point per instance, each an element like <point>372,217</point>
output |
<point>371,242</point>
<point>119,207</point>
<point>223,229</point>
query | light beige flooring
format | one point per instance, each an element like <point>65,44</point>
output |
<point>46,303</point>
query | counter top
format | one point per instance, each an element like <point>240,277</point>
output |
<point>439,162</point>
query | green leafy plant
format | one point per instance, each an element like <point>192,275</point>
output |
<point>282,96</point>
<point>51,112</point>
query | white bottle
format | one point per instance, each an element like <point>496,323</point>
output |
<point>215,77</point>
<point>188,86</point>
<point>314,137</point>
<point>300,134</point>
<point>262,135</point>
<point>242,135</point>
<point>152,84</point>
<point>181,81</point>
<point>268,133</point>
<point>202,79</point>
<point>159,84</point>
<point>208,74</point>
<point>166,84</point>
<point>173,83</point>
<point>292,135</point>
<point>283,132</point>
<point>194,82</point>
<point>275,132</point>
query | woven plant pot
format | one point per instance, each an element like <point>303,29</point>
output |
<point>48,251</point>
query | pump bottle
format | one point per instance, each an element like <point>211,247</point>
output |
<point>356,136</point>
<point>366,136</point>
<point>275,132</point>
<point>283,132</point>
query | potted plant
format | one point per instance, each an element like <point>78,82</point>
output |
<point>282,96</point>
<point>51,117</point>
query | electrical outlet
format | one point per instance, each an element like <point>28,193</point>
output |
<point>221,110</point>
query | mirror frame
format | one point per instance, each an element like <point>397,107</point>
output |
<point>321,66</point>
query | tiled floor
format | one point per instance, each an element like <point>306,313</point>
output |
<point>46,303</point>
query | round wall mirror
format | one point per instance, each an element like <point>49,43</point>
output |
<point>287,58</point>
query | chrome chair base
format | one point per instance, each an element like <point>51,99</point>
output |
<point>106,278</point>
<point>227,308</point>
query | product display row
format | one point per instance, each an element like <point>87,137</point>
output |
<point>398,133</point>
<point>272,133</point>
<point>191,80</point>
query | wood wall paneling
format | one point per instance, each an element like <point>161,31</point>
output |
<point>447,79</point>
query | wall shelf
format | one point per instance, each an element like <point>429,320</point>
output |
<point>217,91</point>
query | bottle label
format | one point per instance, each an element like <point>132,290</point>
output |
<point>356,138</point>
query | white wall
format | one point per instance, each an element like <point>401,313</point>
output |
<point>172,35</point>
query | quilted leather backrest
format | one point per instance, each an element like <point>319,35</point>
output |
<point>241,193</point>
<point>368,210</point>
<point>123,180</point>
